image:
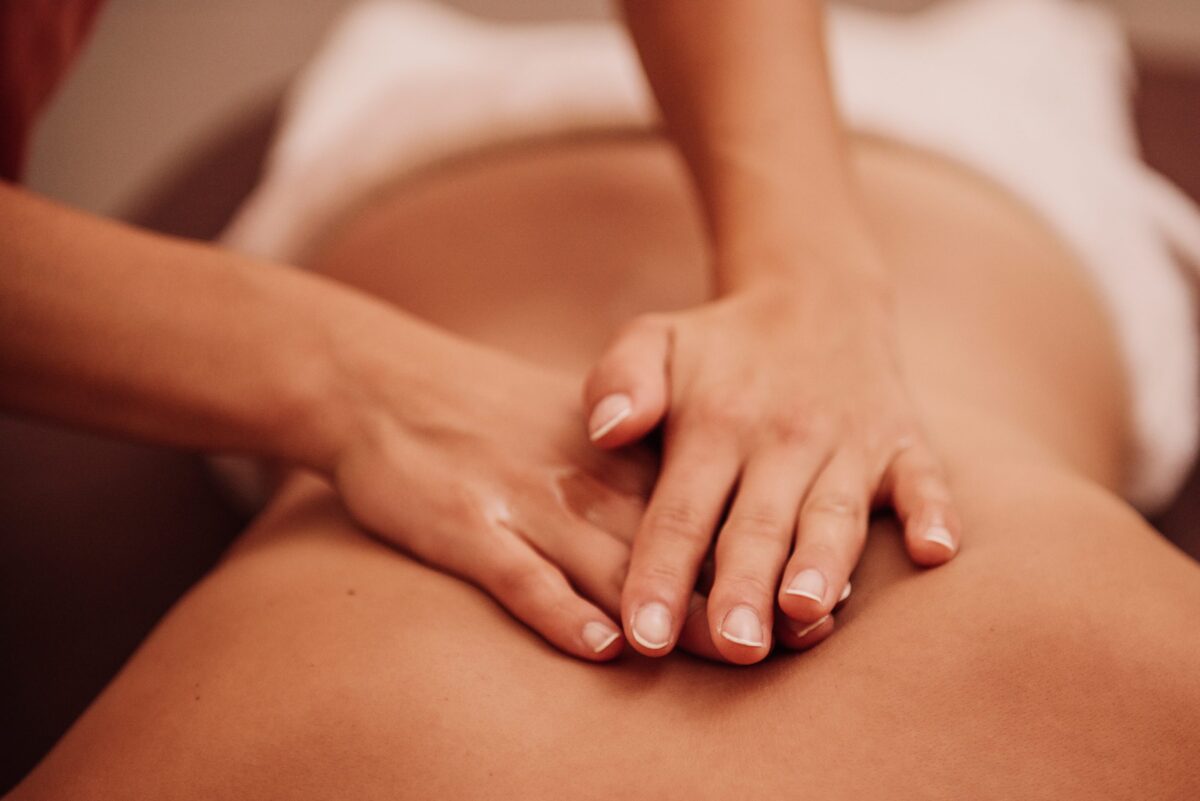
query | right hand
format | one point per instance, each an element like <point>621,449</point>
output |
<point>785,419</point>
<point>476,463</point>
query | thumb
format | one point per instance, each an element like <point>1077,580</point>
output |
<point>626,391</point>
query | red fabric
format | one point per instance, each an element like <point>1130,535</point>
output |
<point>39,40</point>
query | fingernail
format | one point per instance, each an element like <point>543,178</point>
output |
<point>742,626</point>
<point>808,583</point>
<point>608,412</point>
<point>652,626</point>
<point>800,632</point>
<point>599,636</point>
<point>845,593</point>
<point>940,536</point>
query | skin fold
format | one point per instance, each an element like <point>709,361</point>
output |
<point>1052,658</point>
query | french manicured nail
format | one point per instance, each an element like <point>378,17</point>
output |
<point>742,626</point>
<point>845,593</point>
<point>652,626</point>
<point>811,627</point>
<point>808,583</point>
<point>599,636</point>
<point>940,536</point>
<point>608,412</point>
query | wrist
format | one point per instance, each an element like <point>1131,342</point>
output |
<point>845,253</point>
<point>316,406</point>
<point>364,368</point>
<point>869,304</point>
<point>850,272</point>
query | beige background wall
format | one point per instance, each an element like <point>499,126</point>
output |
<point>160,74</point>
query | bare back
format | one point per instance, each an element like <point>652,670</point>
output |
<point>1052,658</point>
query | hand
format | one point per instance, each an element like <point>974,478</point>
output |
<point>477,467</point>
<point>785,403</point>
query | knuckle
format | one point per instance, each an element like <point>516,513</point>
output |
<point>824,553</point>
<point>743,585</point>
<point>762,524</point>
<point>843,505</point>
<point>876,442</point>
<point>722,412</point>
<point>896,430</point>
<point>821,427</point>
<point>679,521</point>
<point>522,579</point>
<point>793,430</point>
<point>658,575</point>
<point>801,430</point>
<point>907,443</point>
<point>906,435</point>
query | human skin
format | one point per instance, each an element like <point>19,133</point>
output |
<point>1051,659</point>
<point>801,289</point>
<point>123,331</point>
<point>118,330</point>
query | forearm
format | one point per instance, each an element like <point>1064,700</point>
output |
<point>745,92</point>
<point>111,328</point>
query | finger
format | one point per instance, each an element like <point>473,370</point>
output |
<point>588,498</point>
<point>536,593</point>
<point>674,536</point>
<point>917,489</point>
<point>695,636</point>
<point>626,391</point>
<point>798,636</point>
<point>597,564</point>
<point>594,561</point>
<point>752,548</point>
<point>831,530</point>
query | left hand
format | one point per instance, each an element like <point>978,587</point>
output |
<point>783,403</point>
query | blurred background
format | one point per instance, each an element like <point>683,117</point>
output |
<point>161,75</point>
<point>163,122</point>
